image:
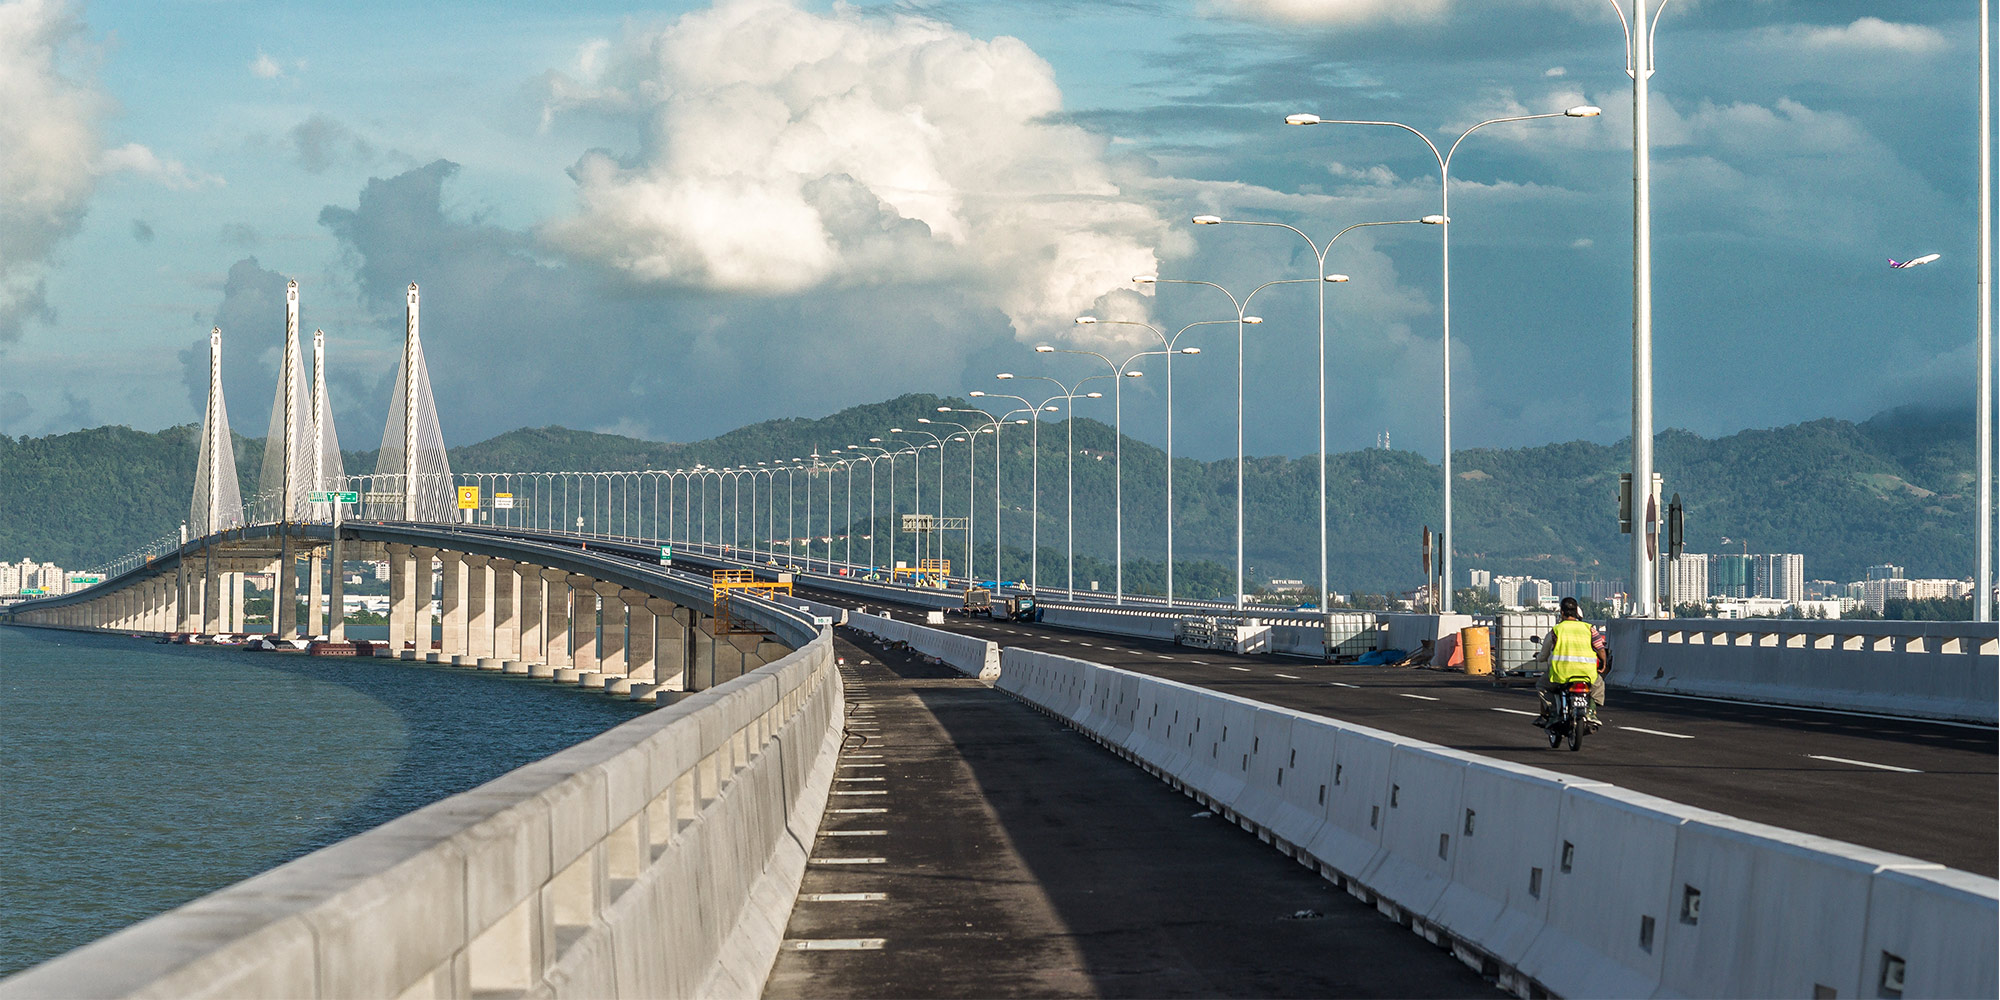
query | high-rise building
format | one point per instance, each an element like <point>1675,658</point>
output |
<point>1687,579</point>
<point>1779,576</point>
<point>1885,571</point>
<point>1730,576</point>
<point>1482,579</point>
<point>10,578</point>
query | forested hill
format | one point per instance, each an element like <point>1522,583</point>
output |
<point>1895,488</point>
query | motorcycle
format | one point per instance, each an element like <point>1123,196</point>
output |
<point>1572,715</point>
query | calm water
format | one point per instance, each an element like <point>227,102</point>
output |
<point>137,776</point>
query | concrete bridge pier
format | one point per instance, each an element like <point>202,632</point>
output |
<point>285,587</point>
<point>315,623</point>
<point>555,639</point>
<point>582,624</point>
<point>641,630</point>
<point>212,615</point>
<point>611,648</point>
<point>336,597</point>
<point>670,646</point>
<point>506,612</point>
<point>451,608</point>
<point>533,631</point>
<point>479,614</point>
<point>425,577</point>
<point>402,596</point>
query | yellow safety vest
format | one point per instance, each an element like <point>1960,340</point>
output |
<point>1574,658</point>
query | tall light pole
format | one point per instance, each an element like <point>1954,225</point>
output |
<point>920,507</point>
<point>872,525</point>
<point>971,448</point>
<point>1034,481</point>
<point>1120,372</point>
<point>1168,343</point>
<point>1241,322</point>
<point>1319,258</point>
<point>1444,195</point>
<point>1982,597</point>
<point>1069,397</point>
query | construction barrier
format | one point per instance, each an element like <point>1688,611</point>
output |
<point>971,656</point>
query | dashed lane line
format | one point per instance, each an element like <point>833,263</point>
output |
<point>836,944</point>
<point>854,833</point>
<point>1516,711</point>
<point>876,791</point>
<point>861,779</point>
<point>843,897</point>
<point>1863,763</point>
<point>1341,684</point>
<point>1244,669</point>
<point>1288,677</point>
<point>856,811</point>
<point>1419,697</point>
<point>847,861</point>
<point>1655,732</point>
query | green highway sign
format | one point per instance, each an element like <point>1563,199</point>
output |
<point>341,496</point>
<point>666,555</point>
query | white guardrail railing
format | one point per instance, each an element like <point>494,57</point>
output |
<point>659,859</point>
<point>1552,883</point>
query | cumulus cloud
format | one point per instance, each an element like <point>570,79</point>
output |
<point>265,68</point>
<point>1338,11</point>
<point>321,142</point>
<point>133,158</point>
<point>785,149</point>
<point>48,141</point>
<point>1872,34</point>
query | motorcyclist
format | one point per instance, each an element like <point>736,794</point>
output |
<point>1574,651</point>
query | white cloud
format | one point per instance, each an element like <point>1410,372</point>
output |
<point>1872,34</point>
<point>48,138</point>
<point>1555,71</point>
<point>1337,11</point>
<point>787,150</point>
<point>133,158</point>
<point>265,68</point>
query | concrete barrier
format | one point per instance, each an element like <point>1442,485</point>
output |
<point>1932,670</point>
<point>971,656</point>
<point>660,858</point>
<point>1551,883</point>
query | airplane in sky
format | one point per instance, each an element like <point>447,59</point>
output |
<point>1925,259</point>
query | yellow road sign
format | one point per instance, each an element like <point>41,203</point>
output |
<point>468,498</point>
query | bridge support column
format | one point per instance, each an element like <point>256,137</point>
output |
<point>639,636</point>
<point>402,597</point>
<point>506,614</point>
<point>451,606</point>
<point>425,579</point>
<point>232,601</point>
<point>583,623</point>
<point>336,597</point>
<point>670,649</point>
<point>478,609</point>
<point>743,650</point>
<point>285,588</point>
<point>210,615</point>
<point>555,640</point>
<point>611,649</point>
<point>315,622</point>
<point>701,669</point>
<point>533,632</point>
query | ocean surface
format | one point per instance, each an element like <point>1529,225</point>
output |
<point>135,777</point>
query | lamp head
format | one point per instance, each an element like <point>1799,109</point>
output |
<point>1052,408</point>
<point>876,440</point>
<point>1583,111</point>
<point>1307,119</point>
<point>1023,420</point>
<point>1253,320</point>
<point>1093,395</point>
<point>895,430</point>
<point>1145,279</point>
<point>1207,220</point>
<point>1087,320</point>
<point>1134,374</point>
<point>1433,220</point>
<point>1044,349</point>
<point>976,393</point>
<point>944,409</point>
<point>1336,278</point>
<point>1190,350</point>
<point>1004,375</point>
<point>923,420</point>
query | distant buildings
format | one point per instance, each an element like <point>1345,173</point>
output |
<point>31,577</point>
<point>1779,576</point>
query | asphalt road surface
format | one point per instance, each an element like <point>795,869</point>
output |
<point>974,847</point>
<point>1922,789</point>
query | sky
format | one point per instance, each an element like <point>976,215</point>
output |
<point>671,219</point>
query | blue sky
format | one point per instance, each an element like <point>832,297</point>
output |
<point>668,220</point>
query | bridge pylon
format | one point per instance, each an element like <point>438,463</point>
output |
<point>287,476</point>
<point>218,498</point>
<point>413,475</point>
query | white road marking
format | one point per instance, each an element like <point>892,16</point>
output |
<point>1863,763</point>
<point>836,944</point>
<point>846,861</point>
<point>1086,645</point>
<point>1823,711</point>
<point>843,897</point>
<point>854,833</point>
<point>1655,732</point>
<point>1244,669</point>
<point>861,779</point>
<point>1163,656</point>
<point>1516,711</point>
<point>864,765</point>
<point>1199,663</point>
<point>864,756</point>
<point>874,792</point>
<point>1338,684</point>
<point>1288,677</point>
<point>1419,697</point>
<point>853,811</point>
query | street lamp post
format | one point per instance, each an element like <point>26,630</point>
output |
<point>1069,398</point>
<point>1120,372</point>
<point>1034,480</point>
<point>1169,343</point>
<point>971,448</point>
<point>1319,257</point>
<point>1241,322</point>
<point>999,567</point>
<point>872,524</point>
<point>1444,189</point>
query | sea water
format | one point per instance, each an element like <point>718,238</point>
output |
<point>135,777</point>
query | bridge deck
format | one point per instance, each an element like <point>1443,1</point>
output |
<point>1019,859</point>
<point>1818,772</point>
